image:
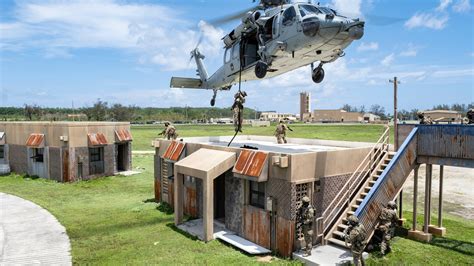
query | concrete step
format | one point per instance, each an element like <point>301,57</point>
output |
<point>338,235</point>
<point>349,213</point>
<point>359,201</point>
<point>372,183</point>
<point>367,189</point>
<point>364,194</point>
<point>355,206</point>
<point>338,242</point>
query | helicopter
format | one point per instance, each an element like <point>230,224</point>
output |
<point>274,38</point>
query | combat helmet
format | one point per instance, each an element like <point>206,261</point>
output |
<point>306,200</point>
<point>167,123</point>
<point>352,220</point>
<point>392,205</point>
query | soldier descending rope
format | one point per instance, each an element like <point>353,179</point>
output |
<point>387,222</point>
<point>304,226</point>
<point>355,236</point>
<point>238,110</point>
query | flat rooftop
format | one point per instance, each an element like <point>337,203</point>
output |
<point>269,144</point>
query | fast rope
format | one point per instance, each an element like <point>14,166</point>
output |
<point>239,121</point>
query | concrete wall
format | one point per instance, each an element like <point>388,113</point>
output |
<point>234,202</point>
<point>55,164</point>
<point>5,159</point>
<point>18,157</point>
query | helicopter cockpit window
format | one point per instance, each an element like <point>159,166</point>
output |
<point>306,10</point>
<point>289,16</point>
<point>227,55</point>
<point>326,10</point>
<point>236,51</point>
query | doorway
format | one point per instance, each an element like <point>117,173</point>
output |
<point>219,198</point>
<point>122,157</point>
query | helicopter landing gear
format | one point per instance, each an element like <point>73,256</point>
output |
<point>261,69</point>
<point>213,100</point>
<point>318,74</point>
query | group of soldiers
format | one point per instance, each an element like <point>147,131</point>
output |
<point>355,235</point>
<point>426,120</point>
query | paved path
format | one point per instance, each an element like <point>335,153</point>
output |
<point>30,234</point>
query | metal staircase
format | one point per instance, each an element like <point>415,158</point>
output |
<point>337,235</point>
<point>377,180</point>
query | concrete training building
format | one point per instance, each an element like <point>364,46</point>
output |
<point>66,151</point>
<point>254,193</point>
<point>275,117</point>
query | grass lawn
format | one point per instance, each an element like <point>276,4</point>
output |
<point>114,220</point>
<point>144,134</point>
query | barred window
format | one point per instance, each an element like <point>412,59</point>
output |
<point>96,161</point>
<point>38,155</point>
<point>95,154</point>
<point>257,194</point>
<point>2,152</point>
<point>301,191</point>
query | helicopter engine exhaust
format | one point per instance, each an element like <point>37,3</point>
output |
<point>248,21</point>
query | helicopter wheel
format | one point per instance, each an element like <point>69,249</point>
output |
<point>318,75</point>
<point>261,69</point>
<point>213,102</point>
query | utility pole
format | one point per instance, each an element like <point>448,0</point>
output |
<point>395,82</point>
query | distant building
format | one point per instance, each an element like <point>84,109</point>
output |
<point>274,116</point>
<point>305,105</point>
<point>370,118</point>
<point>443,116</point>
<point>337,116</point>
<point>66,151</point>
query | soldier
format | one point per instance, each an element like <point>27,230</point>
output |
<point>387,222</point>
<point>355,235</point>
<point>280,132</point>
<point>238,108</point>
<point>304,226</point>
<point>169,132</point>
<point>424,120</point>
<point>470,116</point>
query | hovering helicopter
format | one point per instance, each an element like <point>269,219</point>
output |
<point>274,38</point>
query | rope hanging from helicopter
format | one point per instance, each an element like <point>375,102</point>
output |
<point>238,128</point>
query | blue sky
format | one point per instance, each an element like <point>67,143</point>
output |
<point>54,52</point>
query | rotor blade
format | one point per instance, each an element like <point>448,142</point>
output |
<point>231,17</point>
<point>382,20</point>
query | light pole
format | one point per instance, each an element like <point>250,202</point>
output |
<point>256,111</point>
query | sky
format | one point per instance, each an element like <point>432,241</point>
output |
<point>60,53</point>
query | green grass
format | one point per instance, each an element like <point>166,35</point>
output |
<point>143,135</point>
<point>456,248</point>
<point>114,220</point>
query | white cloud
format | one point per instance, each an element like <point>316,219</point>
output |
<point>410,51</point>
<point>427,20</point>
<point>371,46</point>
<point>462,6</point>
<point>352,7</point>
<point>388,60</point>
<point>152,31</point>
<point>443,5</point>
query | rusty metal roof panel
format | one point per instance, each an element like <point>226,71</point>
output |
<point>123,135</point>
<point>250,163</point>
<point>35,140</point>
<point>174,151</point>
<point>97,139</point>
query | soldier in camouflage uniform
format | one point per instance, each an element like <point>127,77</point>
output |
<point>387,222</point>
<point>470,116</point>
<point>280,132</point>
<point>424,120</point>
<point>304,226</point>
<point>169,132</point>
<point>355,235</point>
<point>238,110</point>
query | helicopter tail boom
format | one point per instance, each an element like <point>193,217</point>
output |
<point>188,83</point>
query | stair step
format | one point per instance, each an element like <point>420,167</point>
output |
<point>349,213</point>
<point>372,183</point>
<point>384,165</point>
<point>338,235</point>
<point>355,206</point>
<point>342,226</point>
<point>367,189</point>
<point>337,242</point>
<point>364,194</point>
<point>359,201</point>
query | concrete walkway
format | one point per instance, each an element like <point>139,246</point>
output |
<point>30,234</point>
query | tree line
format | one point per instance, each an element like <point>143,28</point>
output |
<point>103,111</point>
<point>405,114</point>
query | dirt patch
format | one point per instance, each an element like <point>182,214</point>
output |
<point>458,190</point>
